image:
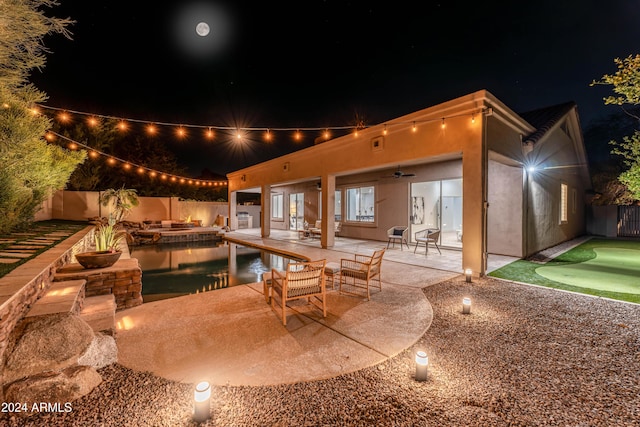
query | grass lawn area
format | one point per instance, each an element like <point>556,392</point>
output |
<point>41,236</point>
<point>602,267</point>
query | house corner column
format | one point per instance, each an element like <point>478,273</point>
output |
<point>265,206</point>
<point>328,183</point>
<point>474,209</point>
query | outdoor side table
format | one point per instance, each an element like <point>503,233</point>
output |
<point>331,269</point>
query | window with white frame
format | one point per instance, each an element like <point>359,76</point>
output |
<point>360,203</point>
<point>564,202</point>
<point>277,207</point>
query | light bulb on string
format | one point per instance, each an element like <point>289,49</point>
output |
<point>64,117</point>
<point>326,134</point>
<point>473,118</point>
<point>126,166</point>
<point>92,121</point>
<point>93,154</point>
<point>163,177</point>
<point>384,130</point>
<point>153,174</point>
<point>49,136</point>
<point>238,135</point>
<point>210,134</point>
<point>181,132</point>
<point>151,129</point>
<point>442,125</point>
<point>414,128</point>
<point>122,125</point>
<point>73,146</point>
<point>267,136</point>
<point>297,135</point>
<point>111,161</point>
<point>140,170</point>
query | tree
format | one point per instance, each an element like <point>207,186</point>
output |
<point>123,200</point>
<point>31,168</point>
<point>626,86</point>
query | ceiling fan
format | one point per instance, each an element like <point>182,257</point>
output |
<point>399,174</point>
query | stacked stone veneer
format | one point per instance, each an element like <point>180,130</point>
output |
<point>23,286</point>
<point>123,279</point>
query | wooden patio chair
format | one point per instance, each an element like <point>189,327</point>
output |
<point>361,273</point>
<point>430,235</point>
<point>300,280</point>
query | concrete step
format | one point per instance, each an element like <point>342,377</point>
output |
<point>100,313</point>
<point>65,297</point>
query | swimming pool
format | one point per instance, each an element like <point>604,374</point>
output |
<point>172,270</point>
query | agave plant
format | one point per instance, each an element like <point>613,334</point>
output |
<point>108,236</point>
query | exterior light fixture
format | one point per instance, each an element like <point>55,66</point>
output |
<point>467,275</point>
<point>531,169</point>
<point>466,305</point>
<point>414,128</point>
<point>202,402</point>
<point>421,366</point>
<point>384,131</point>
<point>442,125</point>
<point>473,118</point>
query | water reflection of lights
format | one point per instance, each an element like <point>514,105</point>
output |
<point>258,267</point>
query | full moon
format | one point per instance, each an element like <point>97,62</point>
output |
<point>202,29</point>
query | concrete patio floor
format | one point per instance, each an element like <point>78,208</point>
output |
<point>233,337</point>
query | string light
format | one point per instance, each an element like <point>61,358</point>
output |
<point>384,130</point>
<point>442,125</point>
<point>326,134</point>
<point>210,134</point>
<point>181,132</point>
<point>112,161</point>
<point>92,121</point>
<point>122,125</point>
<point>151,129</point>
<point>473,118</point>
<point>267,136</point>
<point>297,135</point>
<point>414,128</point>
<point>64,117</point>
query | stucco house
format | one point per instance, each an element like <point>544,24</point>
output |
<point>493,181</point>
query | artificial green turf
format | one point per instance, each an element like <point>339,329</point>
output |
<point>602,267</point>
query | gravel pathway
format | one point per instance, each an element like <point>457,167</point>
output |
<point>525,356</point>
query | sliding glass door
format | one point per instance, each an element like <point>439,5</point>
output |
<point>296,211</point>
<point>437,204</point>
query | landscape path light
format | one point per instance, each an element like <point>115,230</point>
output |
<point>202,402</point>
<point>466,305</point>
<point>421,366</point>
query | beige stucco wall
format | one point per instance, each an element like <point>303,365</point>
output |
<point>82,205</point>
<point>504,217</point>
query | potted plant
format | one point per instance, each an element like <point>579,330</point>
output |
<point>107,237</point>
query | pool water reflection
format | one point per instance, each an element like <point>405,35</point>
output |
<point>172,270</point>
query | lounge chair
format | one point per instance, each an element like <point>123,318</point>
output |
<point>398,232</point>
<point>300,280</point>
<point>430,235</point>
<point>360,273</point>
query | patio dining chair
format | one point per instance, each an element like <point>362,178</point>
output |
<point>400,233</point>
<point>429,235</point>
<point>357,275</point>
<point>300,280</point>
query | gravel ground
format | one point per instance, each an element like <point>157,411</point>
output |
<point>525,356</point>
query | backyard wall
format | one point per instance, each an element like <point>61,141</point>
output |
<point>82,205</point>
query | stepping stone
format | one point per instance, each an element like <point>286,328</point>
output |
<point>25,245</point>
<point>62,297</point>
<point>58,234</point>
<point>8,260</point>
<point>21,250</point>
<point>23,234</point>
<point>15,254</point>
<point>2,241</point>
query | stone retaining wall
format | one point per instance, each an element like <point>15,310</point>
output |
<point>22,287</point>
<point>123,279</point>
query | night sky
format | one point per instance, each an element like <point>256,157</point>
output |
<point>325,63</point>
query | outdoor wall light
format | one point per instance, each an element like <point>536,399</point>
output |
<point>466,305</point>
<point>421,366</point>
<point>201,402</point>
<point>467,275</point>
<point>531,169</point>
